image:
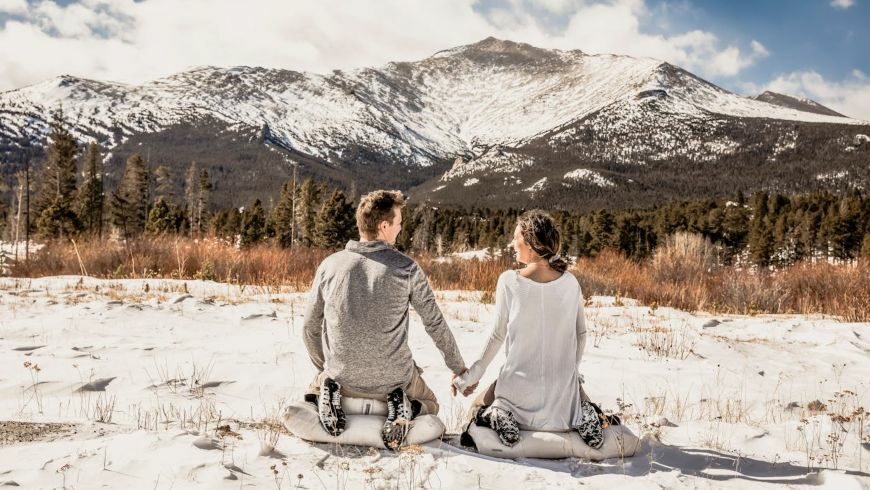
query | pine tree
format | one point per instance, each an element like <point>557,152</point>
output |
<point>423,237</point>
<point>225,224</point>
<point>91,196</point>
<point>253,229</point>
<point>217,223</point>
<point>760,232</point>
<point>164,217</point>
<point>55,202</point>
<point>204,189</point>
<point>130,201</point>
<point>282,219</point>
<point>827,236</point>
<point>603,230</point>
<point>781,241</point>
<point>336,222</point>
<point>798,251</point>
<point>163,184</point>
<point>307,208</point>
<point>191,195</point>
<point>585,244</point>
<point>632,237</point>
<point>846,235</point>
<point>735,228</point>
<point>808,235</point>
<point>232,227</point>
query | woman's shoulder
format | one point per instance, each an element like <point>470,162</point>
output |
<point>571,280</point>
<point>507,275</point>
<point>508,278</point>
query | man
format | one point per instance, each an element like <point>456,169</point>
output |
<point>358,310</point>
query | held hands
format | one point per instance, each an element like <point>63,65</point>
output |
<point>457,381</point>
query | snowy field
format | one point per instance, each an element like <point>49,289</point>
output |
<point>167,384</point>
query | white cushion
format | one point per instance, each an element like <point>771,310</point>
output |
<point>619,442</point>
<point>302,420</point>
<point>363,406</point>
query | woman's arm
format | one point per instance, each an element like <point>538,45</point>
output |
<point>496,338</point>
<point>581,330</point>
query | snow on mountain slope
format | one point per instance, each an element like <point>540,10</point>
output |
<point>584,174</point>
<point>310,113</point>
<point>800,103</point>
<point>704,95</point>
<point>455,103</point>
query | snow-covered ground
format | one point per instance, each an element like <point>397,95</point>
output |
<point>188,371</point>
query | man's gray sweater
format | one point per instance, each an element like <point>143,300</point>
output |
<point>358,311</point>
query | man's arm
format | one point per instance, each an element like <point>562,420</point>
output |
<point>312,329</point>
<point>423,301</point>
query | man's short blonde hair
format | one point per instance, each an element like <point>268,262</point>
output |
<point>377,206</point>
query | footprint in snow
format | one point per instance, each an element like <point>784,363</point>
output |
<point>97,385</point>
<point>254,316</point>
<point>29,348</point>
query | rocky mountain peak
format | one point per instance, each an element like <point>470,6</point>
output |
<point>798,103</point>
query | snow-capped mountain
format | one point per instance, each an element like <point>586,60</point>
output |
<point>798,103</point>
<point>496,111</point>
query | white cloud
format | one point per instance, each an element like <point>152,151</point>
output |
<point>850,96</point>
<point>127,41</point>
<point>842,4</point>
<point>13,7</point>
<point>556,6</point>
<point>731,61</point>
<point>758,49</point>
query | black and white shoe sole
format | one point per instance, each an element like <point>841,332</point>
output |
<point>590,429</point>
<point>329,408</point>
<point>398,421</point>
<point>504,424</point>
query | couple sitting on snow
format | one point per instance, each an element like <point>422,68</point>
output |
<point>356,332</point>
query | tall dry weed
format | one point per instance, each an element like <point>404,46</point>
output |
<point>682,274</point>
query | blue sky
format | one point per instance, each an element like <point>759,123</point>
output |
<point>813,48</point>
<point>800,35</point>
<point>821,36</point>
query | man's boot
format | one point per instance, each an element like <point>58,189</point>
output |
<point>399,415</point>
<point>329,407</point>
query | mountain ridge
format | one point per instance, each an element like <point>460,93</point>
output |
<point>407,124</point>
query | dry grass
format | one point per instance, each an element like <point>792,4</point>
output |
<point>661,341</point>
<point>176,258</point>
<point>683,274</point>
<point>467,275</point>
<point>841,290</point>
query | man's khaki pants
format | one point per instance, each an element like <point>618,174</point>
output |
<point>415,390</point>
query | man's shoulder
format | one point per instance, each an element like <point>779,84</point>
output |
<point>394,258</point>
<point>336,259</point>
<point>389,257</point>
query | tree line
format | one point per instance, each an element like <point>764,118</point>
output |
<point>764,230</point>
<point>767,229</point>
<point>68,199</point>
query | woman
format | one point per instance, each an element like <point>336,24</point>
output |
<point>539,314</point>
